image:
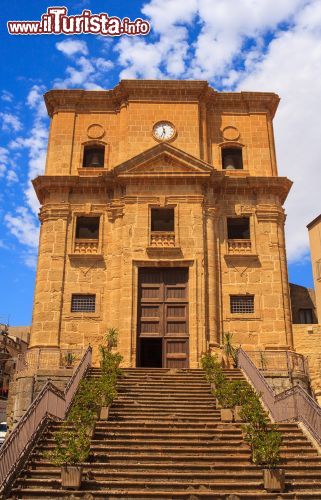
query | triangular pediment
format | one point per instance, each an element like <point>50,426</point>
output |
<point>163,159</point>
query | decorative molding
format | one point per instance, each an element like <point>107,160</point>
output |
<point>230,133</point>
<point>115,210</point>
<point>95,131</point>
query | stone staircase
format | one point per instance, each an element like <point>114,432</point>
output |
<point>164,440</point>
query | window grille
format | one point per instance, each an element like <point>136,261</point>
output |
<point>83,303</point>
<point>242,304</point>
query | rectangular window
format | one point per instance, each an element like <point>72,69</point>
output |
<point>306,317</point>
<point>242,304</point>
<point>232,159</point>
<point>83,303</point>
<point>94,157</point>
<point>318,269</point>
<point>87,228</point>
<point>162,219</point>
<point>238,228</point>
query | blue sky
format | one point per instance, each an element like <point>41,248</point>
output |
<point>234,44</point>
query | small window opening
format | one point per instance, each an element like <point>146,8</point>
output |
<point>83,303</point>
<point>238,228</point>
<point>94,156</point>
<point>232,158</point>
<point>306,317</point>
<point>242,304</point>
<point>87,228</point>
<point>162,219</point>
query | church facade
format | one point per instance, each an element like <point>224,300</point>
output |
<point>162,216</point>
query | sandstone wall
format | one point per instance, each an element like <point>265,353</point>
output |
<point>307,341</point>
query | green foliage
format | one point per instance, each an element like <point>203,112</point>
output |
<point>265,445</point>
<point>212,367</point>
<point>264,439</point>
<point>72,446</point>
<point>72,442</point>
<point>228,348</point>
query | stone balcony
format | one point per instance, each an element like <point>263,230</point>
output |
<point>162,239</point>
<point>239,247</point>
<point>86,247</point>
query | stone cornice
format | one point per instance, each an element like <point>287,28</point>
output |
<point>82,101</point>
<point>280,186</point>
<point>220,183</point>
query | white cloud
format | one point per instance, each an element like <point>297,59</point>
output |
<point>86,73</point>
<point>71,46</point>
<point>6,96</point>
<point>22,225</point>
<point>10,122</point>
<point>11,177</point>
<point>292,68</point>
<point>248,45</point>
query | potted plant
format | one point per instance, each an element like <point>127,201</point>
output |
<point>109,362</point>
<point>69,360</point>
<point>230,353</point>
<point>71,449</point>
<point>265,442</point>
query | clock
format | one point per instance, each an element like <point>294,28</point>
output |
<point>164,131</point>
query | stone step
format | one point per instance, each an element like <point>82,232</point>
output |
<point>144,494</point>
<point>169,486</point>
<point>304,469</point>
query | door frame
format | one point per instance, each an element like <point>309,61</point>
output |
<point>165,338</point>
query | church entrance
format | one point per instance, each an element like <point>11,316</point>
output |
<point>162,318</point>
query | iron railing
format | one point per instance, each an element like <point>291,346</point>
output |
<point>294,404</point>
<point>51,402</point>
<point>48,358</point>
<point>279,361</point>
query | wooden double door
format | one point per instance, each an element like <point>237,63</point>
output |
<point>163,318</point>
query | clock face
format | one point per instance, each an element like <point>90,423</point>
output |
<point>164,131</point>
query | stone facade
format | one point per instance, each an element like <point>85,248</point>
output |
<point>140,173</point>
<point>303,304</point>
<point>314,229</point>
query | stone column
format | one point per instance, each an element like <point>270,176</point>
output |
<point>45,331</point>
<point>285,281</point>
<point>212,278</point>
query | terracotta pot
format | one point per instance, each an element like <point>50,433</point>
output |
<point>104,413</point>
<point>226,415</point>
<point>274,479</point>
<point>237,416</point>
<point>71,477</point>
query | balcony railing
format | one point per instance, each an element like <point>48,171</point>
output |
<point>236,247</point>
<point>279,361</point>
<point>47,357</point>
<point>86,247</point>
<point>162,239</point>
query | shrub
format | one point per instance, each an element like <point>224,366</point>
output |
<point>72,442</point>
<point>264,439</point>
<point>72,446</point>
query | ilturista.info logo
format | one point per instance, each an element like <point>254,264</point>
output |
<point>57,22</point>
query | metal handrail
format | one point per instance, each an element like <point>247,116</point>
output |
<point>50,402</point>
<point>294,404</point>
